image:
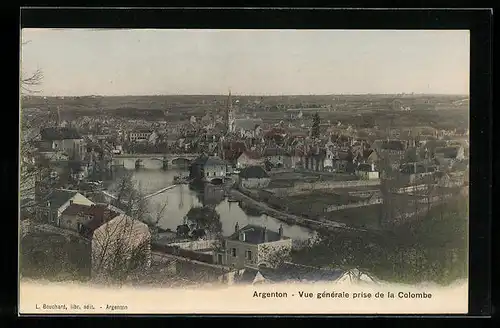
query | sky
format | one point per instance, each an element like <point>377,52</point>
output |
<point>249,62</point>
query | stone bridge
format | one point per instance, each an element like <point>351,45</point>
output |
<point>166,159</point>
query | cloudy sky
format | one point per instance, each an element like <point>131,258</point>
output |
<point>251,62</point>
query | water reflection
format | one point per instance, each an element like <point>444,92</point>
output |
<point>181,198</point>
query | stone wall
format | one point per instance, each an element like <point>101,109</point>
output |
<point>306,187</point>
<point>372,201</point>
<point>195,244</point>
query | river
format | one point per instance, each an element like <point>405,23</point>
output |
<point>181,198</point>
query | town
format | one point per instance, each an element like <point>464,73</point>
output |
<point>228,189</point>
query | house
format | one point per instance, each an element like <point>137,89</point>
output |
<point>367,172</point>
<point>208,169</point>
<point>51,207</point>
<point>140,135</point>
<point>315,159</point>
<point>416,173</point>
<point>343,161</point>
<point>446,156</point>
<point>120,241</point>
<point>254,246</point>
<point>64,140</point>
<point>329,159</point>
<point>274,155</point>
<point>84,219</point>
<point>248,158</point>
<point>253,177</point>
<point>294,159</point>
<point>232,150</point>
<point>248,128</point>
<point>366,156</point>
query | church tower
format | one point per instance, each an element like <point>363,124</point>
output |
<point>229,114</point>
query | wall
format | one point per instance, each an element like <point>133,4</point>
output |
<point>241,247</point>
<point>372,201</point>
<point>194,245</point>
<point>214,171</point>
<point>306,187</point>
<point>185,253</point>
<point>255,183</point>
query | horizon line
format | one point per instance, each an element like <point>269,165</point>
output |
<point>254,95</point>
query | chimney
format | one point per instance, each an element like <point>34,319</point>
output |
<point>71,202</point>
<point>280,231</point>
<point>236,227</point>
<point>264,235</point>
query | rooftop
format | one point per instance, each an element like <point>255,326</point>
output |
<point>253,172</point>
<point>247,123</point>
<point>59,197</point>
<point>256,235</point>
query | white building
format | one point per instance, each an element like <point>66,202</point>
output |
<point>140,135</point>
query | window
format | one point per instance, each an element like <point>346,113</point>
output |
<point>248,255</point>
<point>233,252</point>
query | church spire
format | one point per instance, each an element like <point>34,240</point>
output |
<point>229,113</point>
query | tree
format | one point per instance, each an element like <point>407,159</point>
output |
<point>120,247</point>
<point>315,126</point>
<point>29,81</point>
<point>205,218</point>
<point>32,166</point>
<point>124,248</point>
<point>274,256</point>
<point>124,188</point>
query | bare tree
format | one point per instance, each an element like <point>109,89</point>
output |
<point>120,247</point>
<point>123,248</point>
<point>30,81</point>
<point>33,168</point>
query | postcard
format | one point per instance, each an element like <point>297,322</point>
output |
<point>169,171</point>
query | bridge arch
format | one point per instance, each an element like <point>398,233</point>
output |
<point>217,181</point>
<point>181,161</point>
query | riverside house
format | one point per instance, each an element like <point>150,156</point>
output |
<point>253,246</point>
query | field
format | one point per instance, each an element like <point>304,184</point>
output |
<point>439,111</point>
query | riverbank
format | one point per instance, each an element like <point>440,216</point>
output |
<point>286,217</point>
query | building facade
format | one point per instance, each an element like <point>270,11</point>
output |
<point>254,246</point>
<point>140,135</point>
<point>52,206</point>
